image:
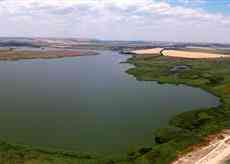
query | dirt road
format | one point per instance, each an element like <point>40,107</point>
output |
<point>216,152</point>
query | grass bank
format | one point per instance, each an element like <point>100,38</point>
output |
<point>191,127</point>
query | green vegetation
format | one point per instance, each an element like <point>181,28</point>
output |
<point>190,127</point>
<point>183,130</point>
<point>21,154</point>
<point>227,162</point>
<point>18,154</point>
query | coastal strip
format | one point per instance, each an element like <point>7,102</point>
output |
<point>215,150</point>
<point>188,129</point>
<point>42,54</point>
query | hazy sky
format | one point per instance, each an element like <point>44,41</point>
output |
<point>159,20</point>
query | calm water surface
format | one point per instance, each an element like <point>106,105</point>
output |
<point>87,104</point>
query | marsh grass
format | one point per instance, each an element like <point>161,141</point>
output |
<point>191,127</point>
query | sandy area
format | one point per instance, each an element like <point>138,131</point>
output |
<point>151,51</point>
<point>193,55</point>
<point>215,151</point>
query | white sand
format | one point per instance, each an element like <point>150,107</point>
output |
<point>216,152</point>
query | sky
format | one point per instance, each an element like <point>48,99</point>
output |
<point>150,20</point>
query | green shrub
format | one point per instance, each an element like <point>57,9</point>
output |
<point>164,135</point>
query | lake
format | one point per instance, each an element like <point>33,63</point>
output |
<point>87,104</point>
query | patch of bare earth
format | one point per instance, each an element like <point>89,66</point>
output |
<point>215,150</point>
<point>193,55</point>
<point>148,51</point>
<point>17,55</point>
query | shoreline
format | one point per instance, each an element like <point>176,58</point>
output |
<point>215,149</point>
<point>195,54</point>
<point>203,87</point>
<point>15,55</point>
<point>222,98</point>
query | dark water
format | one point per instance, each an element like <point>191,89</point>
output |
<point>87,104</point>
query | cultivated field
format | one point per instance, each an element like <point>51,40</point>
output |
<point>28,54</point>
<point>151,51</point>
<point>193,55</point>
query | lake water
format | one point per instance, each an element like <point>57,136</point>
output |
<point>87,104</point>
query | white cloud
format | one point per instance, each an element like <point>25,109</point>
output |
<point>111,19</point>
<point>192,1</point>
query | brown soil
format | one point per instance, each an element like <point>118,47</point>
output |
<point>214,150</point>
<point>17,55</point>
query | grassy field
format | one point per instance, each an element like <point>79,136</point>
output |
<point>21,154</point>
<point>18,154</point>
